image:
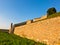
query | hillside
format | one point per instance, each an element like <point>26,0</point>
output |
<point>11,39</point>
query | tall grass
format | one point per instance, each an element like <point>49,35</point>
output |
<point>11,39</point>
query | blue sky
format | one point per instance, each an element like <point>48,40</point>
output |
<point>17,11</point>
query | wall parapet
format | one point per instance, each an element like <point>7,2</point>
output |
<point>29,21</point>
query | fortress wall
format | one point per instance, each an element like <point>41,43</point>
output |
<point>29,21</point>
<point>43,17</point>
<point>47,31</point>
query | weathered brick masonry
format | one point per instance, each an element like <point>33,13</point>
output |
<point>44,31</point>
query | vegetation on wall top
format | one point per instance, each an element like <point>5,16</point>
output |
<point>54,15</point>
<point>51,11</point>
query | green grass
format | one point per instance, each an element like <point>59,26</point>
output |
<point>11,39</point>
<point>54,15</point>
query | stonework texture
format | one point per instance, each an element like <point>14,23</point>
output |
<point>47,31</point>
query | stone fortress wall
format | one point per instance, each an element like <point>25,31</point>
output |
<point>47,31</point>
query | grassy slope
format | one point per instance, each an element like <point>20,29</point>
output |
<point>11,39</point>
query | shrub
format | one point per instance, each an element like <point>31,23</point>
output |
<point>51,11</point>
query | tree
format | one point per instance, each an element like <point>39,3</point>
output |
<point>51,11</point>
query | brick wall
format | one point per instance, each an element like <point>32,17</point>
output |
<point>47,31</point>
